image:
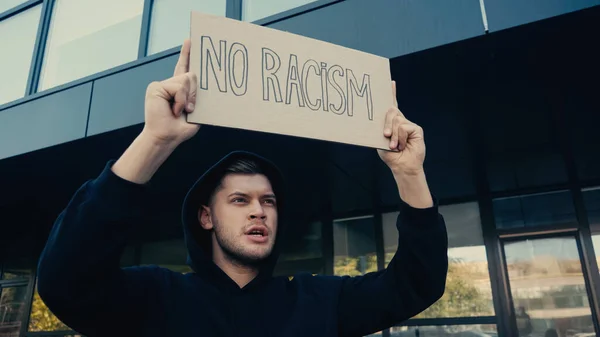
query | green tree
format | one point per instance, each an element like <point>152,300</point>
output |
<point>353,266</point>
<point>461,297</point>
<point>42,319</point>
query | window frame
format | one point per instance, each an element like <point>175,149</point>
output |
<point>8,14</point>
<point>233,11</point>
<point>23,282</point>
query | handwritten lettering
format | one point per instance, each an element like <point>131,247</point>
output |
<point>223,66</point>
<point>317,85</point>
<point>238,49</point>
<point>331,80</point>
<point>208,57</point>
<point>365,88</point>
<point>293,80</point>
<point>269,79</point>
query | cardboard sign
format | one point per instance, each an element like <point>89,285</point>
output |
<point>262,79</point>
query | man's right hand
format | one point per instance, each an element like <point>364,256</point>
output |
<point>166,104</point>
<point>168,101</point>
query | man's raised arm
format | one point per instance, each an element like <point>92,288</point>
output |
<point>79,277</point>
<point>416,276</point>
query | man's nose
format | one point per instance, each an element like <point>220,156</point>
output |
<point>257,212</point>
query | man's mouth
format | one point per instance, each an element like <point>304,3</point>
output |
<point>257,231</point>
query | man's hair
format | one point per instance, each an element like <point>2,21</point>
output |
<point>245,166</point>
<point>240,166</point>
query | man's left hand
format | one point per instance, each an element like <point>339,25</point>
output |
<point>407,144</point>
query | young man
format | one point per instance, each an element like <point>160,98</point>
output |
<point>232,229</point>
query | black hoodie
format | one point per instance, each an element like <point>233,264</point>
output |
<point>80,280</point>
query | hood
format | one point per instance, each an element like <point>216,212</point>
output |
<point>198,240</point>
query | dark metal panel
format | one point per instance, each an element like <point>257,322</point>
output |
<point>502,14</point>
<point>118,100</point>
<point>449,321</point>
<point>234,9</point>
<point>44,122</point>
<point>493,247</point>
<point>389,28</point>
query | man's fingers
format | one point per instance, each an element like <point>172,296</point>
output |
<point>402,131</point>
<point>389,119</point>
<point>191,100</point>
<point>183,64</point>
<point>402,136</point>
<point>177,90</point>
<point>410,131</point>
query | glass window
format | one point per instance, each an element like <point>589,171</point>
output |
<point>354,246</point>
<point>253,10</point>
<point>488,330</point>
<point>591,199</point>
<point>128,257</point>
<point>9,4</point>
<point>171,254</point>
<point>170,22</point>
<point>468,289</point>
<point>41,318</point>
<point>547,286</point>
<point>17,38</point>
<point>80,44</point>
<point>302,251</point>
<point>17,268</point>
<point>13,301</point>
<point>555,208</point>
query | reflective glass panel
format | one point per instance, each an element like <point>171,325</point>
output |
<point>591,199</point>
<point>548,289</point>
<point>354,246</point>
<point>17,268</point>
<point>170,22</point>
<point>302,250</point>
<point>555,208</point>
<point>468,289</point>
<point>487,330</point>
<point>80,44</point>
<point>9,4</point>
<point>17,38</point>
<point>13,301</point>
<point>171,254</point>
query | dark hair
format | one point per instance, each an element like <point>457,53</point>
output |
<point>240,166</point>
<point>245,166</point>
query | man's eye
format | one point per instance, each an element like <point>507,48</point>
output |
<point>238,200</point>
<point>270,201</point>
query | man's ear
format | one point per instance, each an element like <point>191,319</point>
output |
<point>204,217</point>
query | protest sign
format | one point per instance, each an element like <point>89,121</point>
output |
<point>262,79</point>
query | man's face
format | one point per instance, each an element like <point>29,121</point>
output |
<point>243,217</point>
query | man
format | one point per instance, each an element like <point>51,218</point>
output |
<point>232,230</point>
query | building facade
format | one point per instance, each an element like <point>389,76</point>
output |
<point>506,91</point>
